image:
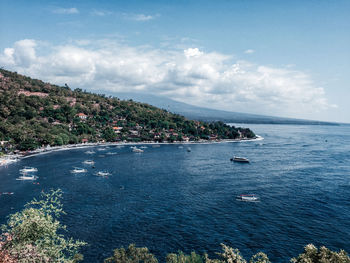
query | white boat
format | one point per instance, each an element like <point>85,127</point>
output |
<point>189,149</point>
<point>26,177</point>
<point>155,145</point>
<point>180,147</point>
<point>28,169</point>
<point>101,173</point>
<point>248,198</point>
<point>77,170</point>
<point>137,150</point>
<point>239,159</point>
<point>89,162</point>
<point>111,153</point>
<point>143,147</point>
<point>89,152</point>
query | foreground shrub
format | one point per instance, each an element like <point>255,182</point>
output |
<point>132,255</point>
<point>323,255</point>
<point>32,235</point>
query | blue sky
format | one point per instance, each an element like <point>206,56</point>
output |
<point>283,58</point>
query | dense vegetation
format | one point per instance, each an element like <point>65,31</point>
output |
<point>33,235</point>
<point>34,114</point>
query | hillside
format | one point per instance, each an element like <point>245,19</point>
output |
<point>34,113</point>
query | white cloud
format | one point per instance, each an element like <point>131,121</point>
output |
<point>249,51</point>
<point>100,13</point>
<point>202,78</point>
<point>66,11</point>
<point>139,17</point>
<point>192,52</point>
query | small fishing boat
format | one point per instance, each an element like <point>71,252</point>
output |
<point>78,170</point>
<point>239,159</point>
<point>102,173</point>
<point>248,198</point>
<point>25,177</point>
<point>89,162</point>
<point>155,145</point>
<point>143,147</point>
<point>137,150</point>
<point>111,153</point>
<point>28,169</point>
<point>189,149</point>
<point>89,152</point>
<point>6,193</point>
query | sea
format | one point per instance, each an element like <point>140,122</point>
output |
<point>171,198</point>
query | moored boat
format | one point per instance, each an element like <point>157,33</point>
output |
<point>137,150</point>
<point>102,173</point>
<point>248,198</point>
<point>90,162</point>
<point>240,159</point>
<point>77,170</point>
<point>28,169</point>
<point>26,177</point>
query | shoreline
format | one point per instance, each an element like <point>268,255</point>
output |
<point>12,158</point>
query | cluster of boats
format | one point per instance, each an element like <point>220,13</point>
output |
<point>27,173</point>
<point>245,197</point>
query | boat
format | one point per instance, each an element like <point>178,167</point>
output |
<point>189,149</point>
<point>137,150</point>
<point>28,169</point>
<point>7,193</point>
<point>155,145</point>
<point>101,173</point>
<point>143,147</point>
<point>77,170</point>
<point>25,177</point>
<point>90,162</point>
<point>248,198</point>
<point>239,159</point>
<point>180,147</point>
<point>111,153</point>
<point>89,152</point>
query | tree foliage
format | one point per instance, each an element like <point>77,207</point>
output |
<point>33,234</point>
<point>323,255</point>
<point>132,254</point>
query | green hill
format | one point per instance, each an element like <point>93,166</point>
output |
<point>34,113</point>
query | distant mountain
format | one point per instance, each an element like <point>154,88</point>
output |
<point>206,114</point>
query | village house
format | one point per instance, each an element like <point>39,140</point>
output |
<point>82,116</point>
<point>117,129</point>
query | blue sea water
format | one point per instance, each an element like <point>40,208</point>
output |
<point>168,199</point>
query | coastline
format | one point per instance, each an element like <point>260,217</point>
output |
<point>12,158</point>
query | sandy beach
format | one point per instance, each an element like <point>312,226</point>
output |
<point>12,158</point>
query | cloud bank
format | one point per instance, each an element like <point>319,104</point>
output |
<point>193,76</point>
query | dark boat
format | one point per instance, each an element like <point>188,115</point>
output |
<point>239,159</point>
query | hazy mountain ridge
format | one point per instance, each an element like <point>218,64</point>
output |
<point>206,114</point>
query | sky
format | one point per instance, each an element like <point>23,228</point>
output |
<point>279,58</point>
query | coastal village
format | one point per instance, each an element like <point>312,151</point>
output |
<point>35,116</point>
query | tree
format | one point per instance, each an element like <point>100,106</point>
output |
<point>182,258</point>
<point>313,255</point>
<point>32,235</point>
<point>132,255</point>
